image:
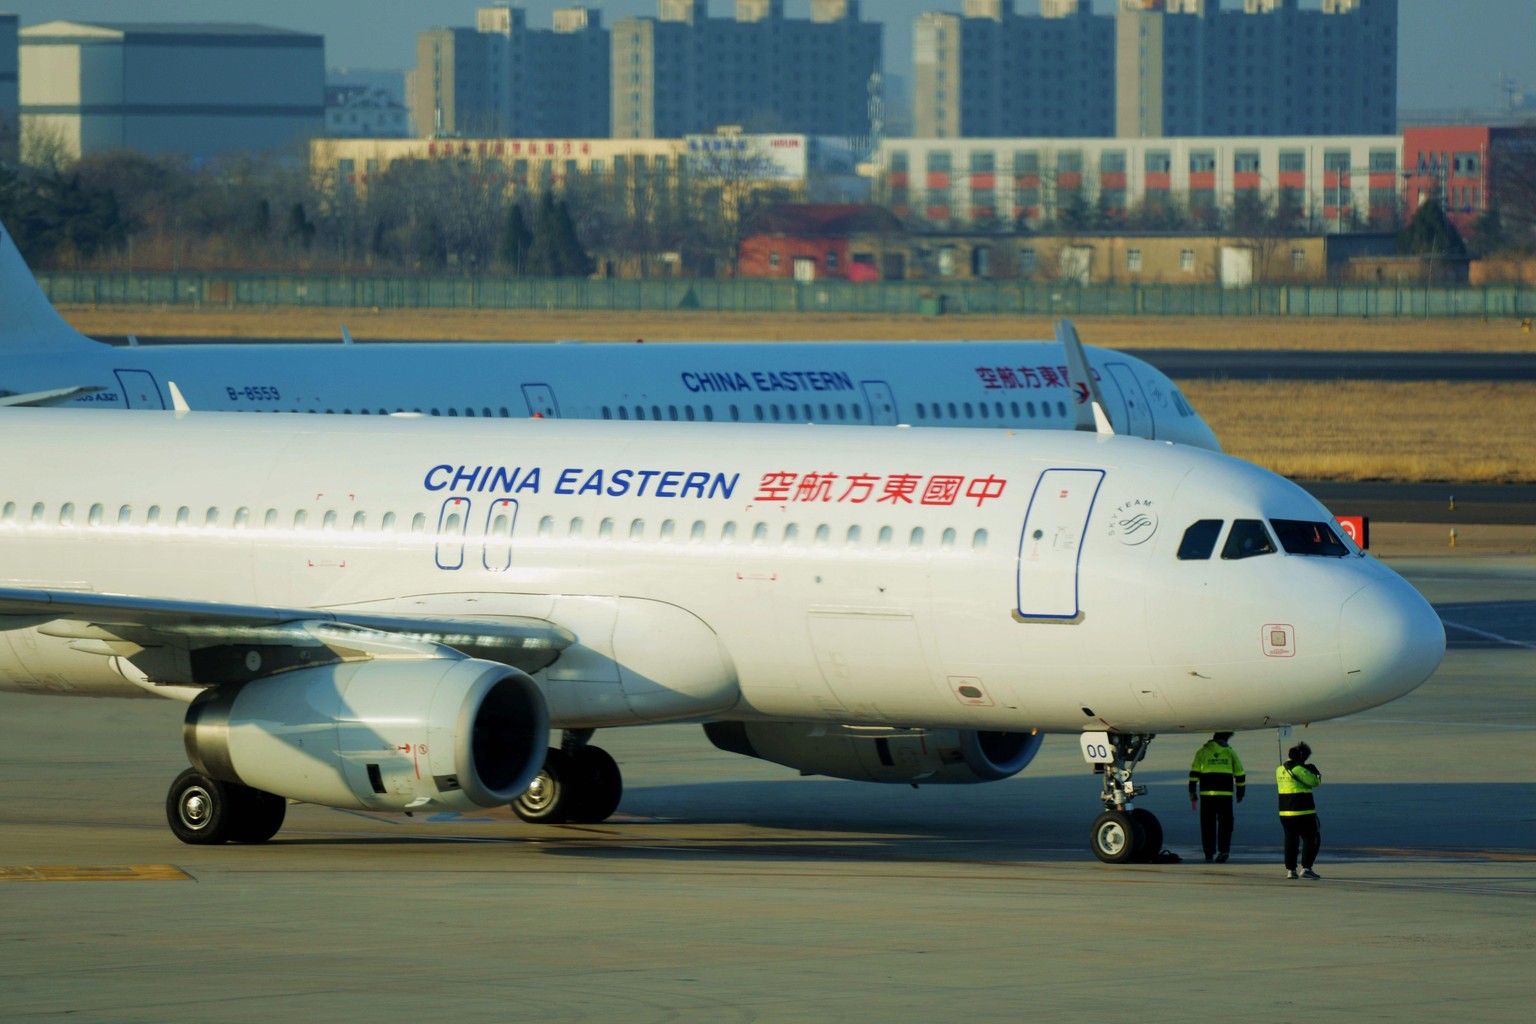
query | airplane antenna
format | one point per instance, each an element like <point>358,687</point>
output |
<point>1090,404</point>
<point>133,341</point>
<point>346,335</point>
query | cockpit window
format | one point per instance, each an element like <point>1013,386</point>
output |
<point>1300,537</point>
<point>1181,405</point>
<point>1247,539</point>
<point>1200,540</point>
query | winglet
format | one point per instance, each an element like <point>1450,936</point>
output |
<point>346,335</point>
<point>178,402</point>
<point>1089,406</point>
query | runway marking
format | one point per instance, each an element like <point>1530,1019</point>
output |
<point>1490,636</point>
<point>94,873</point>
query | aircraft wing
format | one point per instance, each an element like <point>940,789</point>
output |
<point>199,643</point>
<point>55,396</point>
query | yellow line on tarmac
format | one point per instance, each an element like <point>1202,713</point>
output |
<point>94,873</point>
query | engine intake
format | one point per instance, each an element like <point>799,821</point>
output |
<point>912,756</point>
<point>457,733</point>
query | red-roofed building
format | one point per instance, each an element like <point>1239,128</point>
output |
<point>838,240</point>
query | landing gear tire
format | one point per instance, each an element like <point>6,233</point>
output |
<point>208,812</point>
<point>582,785</point>
<point>549,798</point>
<point>1151,832</point>
<point>260,814</point>
<point>599,785</point>
<point>1115,838</point>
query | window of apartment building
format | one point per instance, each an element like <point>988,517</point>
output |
<point>1298,259</point>
<point>983,204</point>
<point>1293,160</point>
<point>938,161</point>
<point>1133,260</point>
<point>983,161</point>
<point>1027,261</point>
<point>1383,161</point>
<point>831,260</point>
<point>1336,160</point>
<point>1112,161</point>
<point>1187,260</point>
<point>1026,161</point>
<point>1069,161</point>
<point>1466,163</point>
<point>898,161</point>
<point>1202,161</point>
<point>1027,198</point>
<point>1112,199</point>
<point>1202,199</point>
<point>773,258</point>
<point>1159,161</point>
<point>1246,161</point>
<point>938,197</point>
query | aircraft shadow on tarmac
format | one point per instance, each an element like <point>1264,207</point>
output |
<point>1044,819</point>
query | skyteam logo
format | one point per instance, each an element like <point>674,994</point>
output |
<point>1134,522</point>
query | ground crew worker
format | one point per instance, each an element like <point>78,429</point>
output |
<point>1296,779</point>
<point>1214,776</point>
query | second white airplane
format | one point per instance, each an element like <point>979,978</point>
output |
<point>1017,384</point>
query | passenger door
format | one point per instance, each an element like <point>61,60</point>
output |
<point>139,389</point>
<point>1051,546</point>
<point>882,403</point>
<point>541,400</point>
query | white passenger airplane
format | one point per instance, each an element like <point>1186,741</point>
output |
<point>389,613</point>
<point>1019,384</point>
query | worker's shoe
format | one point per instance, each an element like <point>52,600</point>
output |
<point>1291,874</point>
<point>1309,873</point>
<point>1221,858</point>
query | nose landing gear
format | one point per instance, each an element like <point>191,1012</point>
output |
<point>1124,833</point>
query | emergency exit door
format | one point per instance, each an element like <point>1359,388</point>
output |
<point>1051,547</point>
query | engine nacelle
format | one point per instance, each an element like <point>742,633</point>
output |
<point>456,733</point>
<point>913,756</point>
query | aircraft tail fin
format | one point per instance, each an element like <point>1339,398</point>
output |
<point>1089,407</point>
<point>28,321</point>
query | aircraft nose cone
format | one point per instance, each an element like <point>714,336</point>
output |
<point>1391,640</point>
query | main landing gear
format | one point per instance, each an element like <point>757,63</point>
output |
<point>206,812</point>
<point>579,783</point>
<point>1123,833</point>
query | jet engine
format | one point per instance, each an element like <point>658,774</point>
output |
<point>433,733</point>
<point>913,756</point>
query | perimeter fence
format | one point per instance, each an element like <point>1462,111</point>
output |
<point>759,296</point>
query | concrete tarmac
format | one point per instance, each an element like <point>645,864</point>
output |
<point>728,890</point>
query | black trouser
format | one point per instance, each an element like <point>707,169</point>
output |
<point>1301,831</point>
<point>1215,824</point>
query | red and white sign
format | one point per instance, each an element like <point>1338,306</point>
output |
<point>1358,528</point>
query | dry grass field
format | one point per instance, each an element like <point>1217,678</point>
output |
<point>1351,334</point>
<point>1354,430</point>
<point>1327,430</point>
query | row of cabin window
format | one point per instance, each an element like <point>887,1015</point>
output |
<point>499,525</point>
<point>774,412</point>
<point>209,518</point>
<point>821,536</point>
